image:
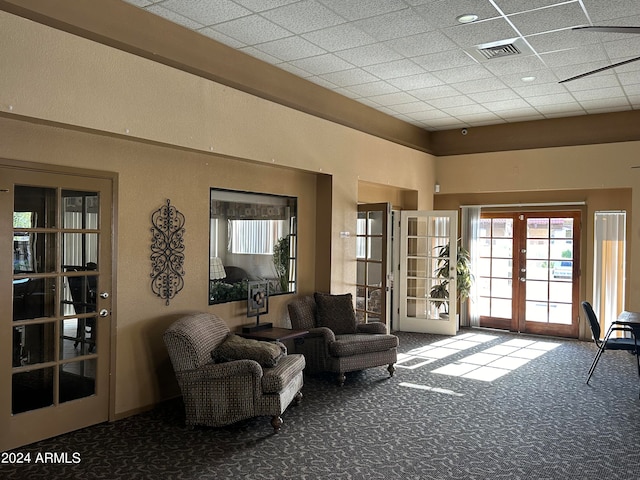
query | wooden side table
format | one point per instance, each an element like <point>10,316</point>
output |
<point>274,334</point>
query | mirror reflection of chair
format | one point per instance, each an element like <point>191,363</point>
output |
<point>83,299</point>
<point>629,343</point>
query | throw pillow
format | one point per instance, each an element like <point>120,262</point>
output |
<point>336,312</point>
<point>235,347</point>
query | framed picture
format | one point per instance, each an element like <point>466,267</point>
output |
<point>257,298</point>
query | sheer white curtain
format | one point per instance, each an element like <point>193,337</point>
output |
<point>609,266</point>
<point>470,228</point>
<point>255,236</point>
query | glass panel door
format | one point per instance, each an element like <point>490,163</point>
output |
<point>548,301</point>
<point>495,271</point>
<point>428,301</point>
<point>529,272</point>
<point>58,375</point>
<point>372,292</point>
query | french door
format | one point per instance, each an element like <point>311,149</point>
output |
<point>373,268</point>
<point>55,321</point>
<point>428,300</point>
<point>528,272</point>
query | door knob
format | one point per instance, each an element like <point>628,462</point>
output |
<point>104,312</point>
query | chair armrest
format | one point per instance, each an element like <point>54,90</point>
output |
<point>617,325</point>
<point>371,327</point>
<point>214,371</point>
<point>324,332</point>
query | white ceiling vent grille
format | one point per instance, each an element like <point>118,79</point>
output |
<point>499,51</point>
<point>504,48</point>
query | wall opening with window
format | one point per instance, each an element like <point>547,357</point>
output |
<point>252,237</point>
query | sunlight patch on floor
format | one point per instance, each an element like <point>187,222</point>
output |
<point>497,361</point>
<point>431,389</point>
<point>420,356</point>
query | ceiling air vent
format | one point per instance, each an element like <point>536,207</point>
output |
<point>501,49</point>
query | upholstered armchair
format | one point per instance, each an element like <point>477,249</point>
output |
<point>336,342</point>
<point>224,378</point>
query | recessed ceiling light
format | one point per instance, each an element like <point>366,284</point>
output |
<point>467,18</point>
<point>528,79</point>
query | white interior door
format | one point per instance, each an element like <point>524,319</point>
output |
<point>427,301</point>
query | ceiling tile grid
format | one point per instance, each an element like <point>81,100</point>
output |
<point>414,60</point>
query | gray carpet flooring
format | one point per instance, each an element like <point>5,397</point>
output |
<point>482,405</point>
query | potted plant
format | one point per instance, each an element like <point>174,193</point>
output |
<point>281,262</point>
<point>464,277</point>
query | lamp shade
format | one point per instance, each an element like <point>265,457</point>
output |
<point>216,269</point>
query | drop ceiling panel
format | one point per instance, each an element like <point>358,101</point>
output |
<point>421,44</point>
<point>207,12</point>
<point>393,98</point>
<point>494,96</point>
<point>443,14</point>
<point>444,60</point>
<point>359,9</point>
<point>415,82</point>
<point>556,17</point>
<point>472,34</point>
<point>394,25</point>
<point>302,17</point>
<point>320,64</point>
<point>439,91</point>
<point>411,58</point>
<point>505,105</point>
<point>395,69</point>
<point>515,6</point>
<point>340,37</point>
<point>252,30</point>
<point>373,88</point>
<point>369,55</point>
<point>291,48</point>
<point>175,17</point>
<point>347,78</point>
<point>604,11</point>
<point>261,5</point>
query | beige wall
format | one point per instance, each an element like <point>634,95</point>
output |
<point>68,101</point>
<point>562,174</point>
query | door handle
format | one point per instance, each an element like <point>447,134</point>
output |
<point>522,279</point>
<point>104,294</point>
<point>104,312</point>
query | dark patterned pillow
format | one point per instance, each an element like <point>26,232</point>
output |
<point>336,312</point>
<point>236,347</point>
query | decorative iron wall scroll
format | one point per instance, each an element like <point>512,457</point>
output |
<point>167,252</point>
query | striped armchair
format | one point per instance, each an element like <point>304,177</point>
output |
<point>335,342</point>
<point>217,394</point>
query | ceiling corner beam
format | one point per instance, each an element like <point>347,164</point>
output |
<point>556,132</point>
